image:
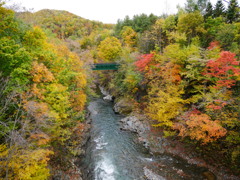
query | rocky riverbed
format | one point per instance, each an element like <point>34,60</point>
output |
<point>152,138</point>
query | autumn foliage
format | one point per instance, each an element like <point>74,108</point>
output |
<point>182,71</point>
<point>42,99</point>
<point>200,127</point>
<point>144,61</point>
<point>192,97</point>
<point>224,69</point>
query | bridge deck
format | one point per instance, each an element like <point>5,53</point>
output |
<point>105,66</point>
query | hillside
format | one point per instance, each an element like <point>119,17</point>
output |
<point>63,23</point>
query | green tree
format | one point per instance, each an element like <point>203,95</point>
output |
<point>8,25</point>
<point>14,62</point>
<point>194,5</point>
<point>191,24</point>
<point>139,23</point>
<point>191,6</point>
<point>121,23</point>
<point>226,35</point>
<point>233,11</point>
<point>143,22</point>
<point>202,5</point>
<point>209,10</point>
<point>212,26</point>
<point>219,9</point>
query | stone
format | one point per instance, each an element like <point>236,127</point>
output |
<point>108,98</point>
<point>150,175</point>
<point>134,124</point>
<point>103,91</point>
<point>128,123</point>
<point>123,107</point>
<point>209,175</point>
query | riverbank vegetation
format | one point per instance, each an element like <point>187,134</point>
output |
<point>183,72</point>
<point>180,70</point>
<point>42,100</point>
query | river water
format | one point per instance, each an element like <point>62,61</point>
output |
<point>114,154</point>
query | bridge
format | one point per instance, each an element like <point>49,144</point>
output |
<point>105,66</point>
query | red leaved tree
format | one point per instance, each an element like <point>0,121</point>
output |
<point>143,62</point>
<point>223,70</point>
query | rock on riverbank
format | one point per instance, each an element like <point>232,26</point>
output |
<point>151,175</point>
<point>123,106</point>
<point>137,125</point>
<point>107,95</point>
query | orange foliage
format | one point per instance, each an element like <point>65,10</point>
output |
<point>41,73</point>
<point>79,128</point>
<point>217,104</point>
<point>171,72</point>
<point>37,92</point>
<point>213,45</point>
<point>200,127</point>
<point>38,110</point>
<point>79,99</point>
<point>42,138</point>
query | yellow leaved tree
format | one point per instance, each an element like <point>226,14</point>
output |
<point>109,49</point>
<point>24,164</point>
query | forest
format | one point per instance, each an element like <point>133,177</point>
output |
<point>180,70</point>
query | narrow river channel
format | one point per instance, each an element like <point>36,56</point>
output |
<point>114,154</point>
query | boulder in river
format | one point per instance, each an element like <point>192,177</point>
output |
<point>108,98</point>
<point>123,106</point>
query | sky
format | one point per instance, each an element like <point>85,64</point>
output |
<point>106,11</point>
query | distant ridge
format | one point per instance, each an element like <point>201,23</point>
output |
<point>61,22</point>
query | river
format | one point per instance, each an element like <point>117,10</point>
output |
<point>114,154</point>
